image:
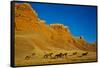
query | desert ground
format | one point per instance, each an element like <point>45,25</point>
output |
<point>30,52</point>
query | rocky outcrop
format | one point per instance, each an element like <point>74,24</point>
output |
<point>25,18</point>
<point>55,35</point>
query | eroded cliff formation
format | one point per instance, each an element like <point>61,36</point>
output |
<point>57,35</point>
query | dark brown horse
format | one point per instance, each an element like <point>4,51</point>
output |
<point>74,53</point>
<point>27,57</point>
<point>48,55</point>
<point>84,54</point>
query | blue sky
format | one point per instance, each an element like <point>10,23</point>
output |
<point>81,20</point>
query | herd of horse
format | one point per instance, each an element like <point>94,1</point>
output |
<point>62,55</point>
<point>55,56</point>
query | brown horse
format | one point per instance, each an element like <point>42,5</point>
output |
<point>60,55</point>
<point>65,54</point>
<point>83,54</point>
<point>27,57</point>
<point>48,55</point>
<point>74,53</point>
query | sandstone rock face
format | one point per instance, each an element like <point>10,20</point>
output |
<point>25,18</point>
<point>84,45</point>
<point>52,35</point>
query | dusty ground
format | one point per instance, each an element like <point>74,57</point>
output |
<point>29,51</point>
<point>39,58</point>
